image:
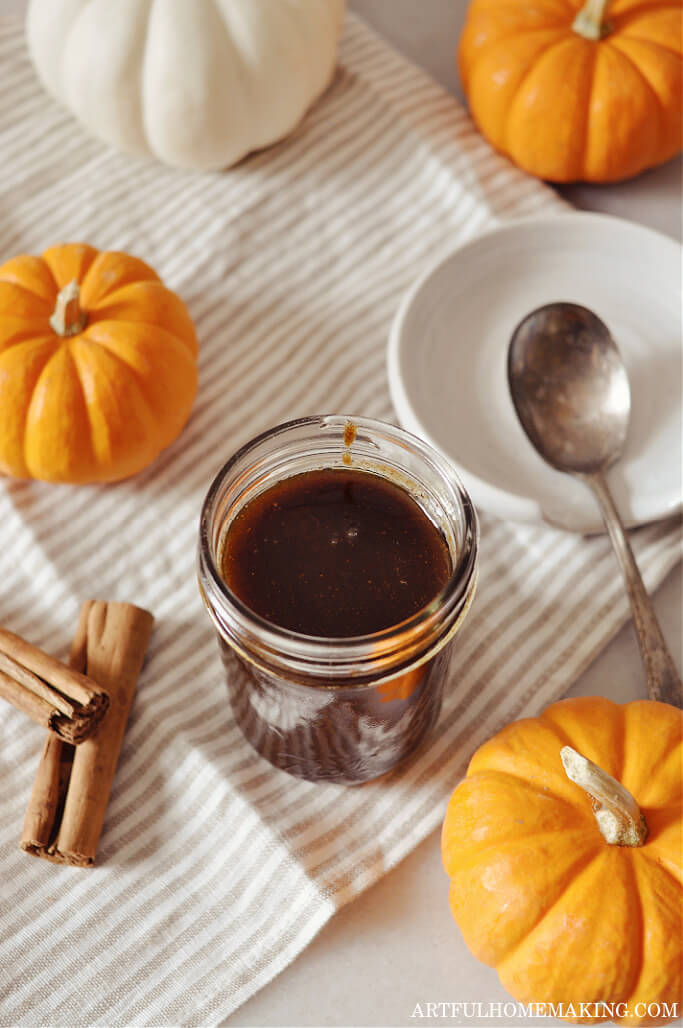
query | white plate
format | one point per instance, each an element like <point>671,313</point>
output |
<point>448,351</point>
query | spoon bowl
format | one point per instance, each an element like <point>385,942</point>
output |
<point>570,390</point>
<point>569,387</point>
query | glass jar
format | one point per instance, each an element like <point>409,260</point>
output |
<point>338,709</point>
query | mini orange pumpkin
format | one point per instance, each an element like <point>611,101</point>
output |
<point>570,905</point>
<point>576,93</point>
<point>98,365</point>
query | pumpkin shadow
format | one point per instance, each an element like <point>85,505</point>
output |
<point>23,495</point>
<point>78,532</point>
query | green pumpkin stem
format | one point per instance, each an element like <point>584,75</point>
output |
<point>68,318</point>
<point>617,813</point>
<point>590,22</point>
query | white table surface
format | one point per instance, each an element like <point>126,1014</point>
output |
<point>397,946</point>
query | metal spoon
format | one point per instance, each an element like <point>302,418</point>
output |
<point>571,393</point>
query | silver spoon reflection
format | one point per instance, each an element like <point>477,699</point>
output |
<point>570,389</point>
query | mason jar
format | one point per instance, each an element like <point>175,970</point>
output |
<point>345,709</point>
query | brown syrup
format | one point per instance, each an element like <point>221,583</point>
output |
<point>335,553</point>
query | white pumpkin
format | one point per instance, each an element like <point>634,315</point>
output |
<point>195,83</point>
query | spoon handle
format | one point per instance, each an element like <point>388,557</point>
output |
<point>663,681</point>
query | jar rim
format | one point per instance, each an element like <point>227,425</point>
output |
<point>326,650</point>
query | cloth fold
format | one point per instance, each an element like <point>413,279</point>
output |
<point>215,870</point>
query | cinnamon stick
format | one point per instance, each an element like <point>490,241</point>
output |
<point>71,790</point>
<point>56,696</point>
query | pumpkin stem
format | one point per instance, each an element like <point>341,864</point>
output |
<point>617,813</point>
<point>68,318</point>
<point>590,22</point>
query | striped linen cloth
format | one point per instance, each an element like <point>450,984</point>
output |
<point>215,870</point>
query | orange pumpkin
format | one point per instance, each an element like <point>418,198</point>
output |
<point>98,365</point>
<point>573,904</point>
<point>573,93</point>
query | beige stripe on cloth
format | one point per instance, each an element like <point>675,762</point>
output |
<point>214,869</point>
